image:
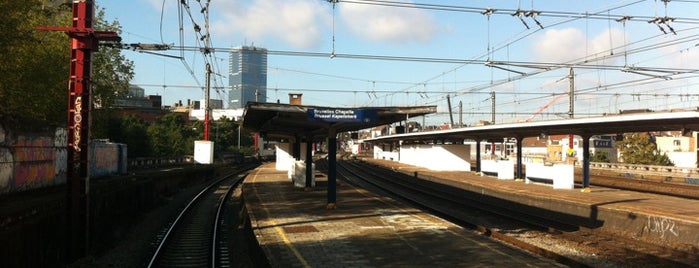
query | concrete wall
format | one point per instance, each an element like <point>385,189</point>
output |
<point>684,159</point>
<point>444,157</point>
<point>107,158</point>
<point>561,176</point>
<point>379,153</point>
<point>284,156</point>
<point>31,160</point>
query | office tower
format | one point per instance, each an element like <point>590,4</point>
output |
<point>247,76</point>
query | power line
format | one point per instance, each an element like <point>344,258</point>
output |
<point>518,12</point>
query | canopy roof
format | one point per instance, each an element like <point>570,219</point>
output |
<point>285,120</point>
<point>665,121</point>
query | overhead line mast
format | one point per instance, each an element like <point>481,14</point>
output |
<point>84,40</point>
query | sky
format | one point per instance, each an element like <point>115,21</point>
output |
<point>422,53</point>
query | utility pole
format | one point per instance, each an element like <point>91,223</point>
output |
<point>571,94</point>
<point>204,149</point>
<point>461,114</point>
<point>492,107</point>
<point>84,41</point>
<point>207,109</point>
<point>571,107</point>
<point>207,50</point>
<point>451,117</point>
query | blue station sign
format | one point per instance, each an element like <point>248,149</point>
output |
<point>342,115</point>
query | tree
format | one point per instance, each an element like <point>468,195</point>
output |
<point>35,67</point>
<point>112,72</point>
<point>599,157</point>
<point>35,63</point>
<point>224,135</point>
<point>639,148</point>
<point>111,75</point>
<point>172,136</point>
<point>130,130</point>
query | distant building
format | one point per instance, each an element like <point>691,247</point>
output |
<point>197,111</point>
<point>136,98</point>
<point>214,103</point>
<point>681,149</point>
<point>137,103</point>
<point>247,76</point>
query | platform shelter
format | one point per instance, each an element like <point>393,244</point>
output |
<point>685,121</point>
<point>306,124</point>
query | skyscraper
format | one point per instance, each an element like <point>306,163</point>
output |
<point>247,76</point>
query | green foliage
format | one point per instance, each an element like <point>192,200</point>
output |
<point>35,63</point>
<point>224,134</point>
<point>599,157</point>
<point>111,72</point>
<point>638,148</point>
<point>130,130</point>
<point>172,136</point>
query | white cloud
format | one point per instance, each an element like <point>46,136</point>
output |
<point>564,45</point>
<point>377,23</point>
<point>297,22</point>
<point>679,57</point>
<point>158,4</point>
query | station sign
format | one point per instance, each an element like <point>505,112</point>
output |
<point>331,115</point>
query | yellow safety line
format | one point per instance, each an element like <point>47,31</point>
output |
<point>277,228</point>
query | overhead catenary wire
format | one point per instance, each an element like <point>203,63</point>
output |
<point>534,65</point>
<point>180,16</point>
<point>510,12</point>
<point>518,38</point>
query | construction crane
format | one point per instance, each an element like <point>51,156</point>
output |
<point>545,107</point>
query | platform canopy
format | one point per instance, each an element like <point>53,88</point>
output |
<point>685,121</point>
<point>285,120</point>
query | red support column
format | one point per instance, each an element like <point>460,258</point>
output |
<point>83,42</point>
<point>79,130</point>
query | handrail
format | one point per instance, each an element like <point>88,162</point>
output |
<point>139,162</point>
<point>650,169</point>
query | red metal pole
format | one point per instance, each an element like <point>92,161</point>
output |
<point>83,42</point>
<point>207,109</point>
<point>79,128</point>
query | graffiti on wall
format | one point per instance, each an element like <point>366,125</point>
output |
<point>35,160</point>
<point>6,170</point>
<point>32,160</point>
<point>662,226</point>
<point>102,159</point>
<point>60,144</point>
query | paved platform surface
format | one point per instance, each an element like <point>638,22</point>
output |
<point>295,229</point>
<point>651,217</point>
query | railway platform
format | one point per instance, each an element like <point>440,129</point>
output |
<point>294,229</point>
<point>650,217</point>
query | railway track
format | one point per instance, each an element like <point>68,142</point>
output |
<point>657,186</point>
<point>194,238</point>
<point>574,246</point>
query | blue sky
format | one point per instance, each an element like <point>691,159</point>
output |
<point>364,29</point>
